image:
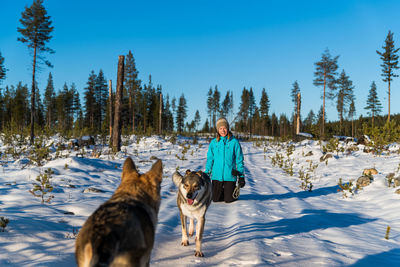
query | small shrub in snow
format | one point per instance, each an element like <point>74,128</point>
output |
<point>333,146</point>
<point>40,151</point>
<point>277,160</point>
<point>43,186</point>
<point>305,178</point>
<point>288,167</point>
<point>3,223</point>
<point>348,189</point>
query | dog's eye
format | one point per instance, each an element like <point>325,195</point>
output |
<point>195,187</point>
<point>185,186</point>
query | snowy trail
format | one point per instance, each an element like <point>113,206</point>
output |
<point>275,223</point>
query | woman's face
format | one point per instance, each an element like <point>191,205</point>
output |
<point>223,131</point>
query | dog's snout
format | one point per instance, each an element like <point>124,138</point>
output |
<point>189,195</point>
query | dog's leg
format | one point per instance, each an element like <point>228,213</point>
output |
<point>185,240</point>
<point>191,227</point>
<point>199,236</point>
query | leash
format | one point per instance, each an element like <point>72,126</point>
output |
<point>236,192</point>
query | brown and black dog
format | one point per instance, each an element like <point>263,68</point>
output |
<point>121,231</point>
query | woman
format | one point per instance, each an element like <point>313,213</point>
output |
<point>224,156</point>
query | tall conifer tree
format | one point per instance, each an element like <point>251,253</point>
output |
<point>3,69</point>
<point>181,114</point>
<point>325,75</point>
<point>344,97</point>
<point>36,29</point>
<point>390,61</point>
<point>49,101</point>
<point>373,104</point>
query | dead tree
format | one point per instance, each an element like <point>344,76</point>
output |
<point>110,106</point>
<point>298,113</point>
<point>116,133</point>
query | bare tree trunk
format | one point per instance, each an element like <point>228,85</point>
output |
<point>298,113</point>
<point>110,105</point>
<point>33,98</point>
<point>160,118</point>
<point>116,139</point>
<point>323,110</point>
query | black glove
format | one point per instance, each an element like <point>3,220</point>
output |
<point>241,181</point>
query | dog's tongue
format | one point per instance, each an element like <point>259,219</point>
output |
<point>190,201</point>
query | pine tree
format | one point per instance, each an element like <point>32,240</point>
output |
<point>325,74</point>
<point>19,106</point>
<point>264,109</point>
<point>132,86</point>
<point>35,31</point>
<point>3,69</point>
<point>181,114</point>
<point>39,116</point>
<point>252,109</point>
<point>345,96</point>
<point>295,91</point>
<point>373,104</point>
<point>390,61</point>
<point>101,95</point>
<point>227,105</point>
<point>352,114</point>
<point>309,120</point>
<point>90,101</point>
<point>293,94</point>
<point>196,119</point>
<point>244,109</point>
<point>168,119</point>
<point>49,102</point>
<point>215,104</point>
<point>210,103</point>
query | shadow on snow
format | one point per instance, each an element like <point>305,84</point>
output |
<point>302,194</point>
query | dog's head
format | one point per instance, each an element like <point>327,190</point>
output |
<point>191,185</point>
<point>146,186</point>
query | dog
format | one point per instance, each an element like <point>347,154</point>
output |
<point>121,231</point>
<point>193,199</point>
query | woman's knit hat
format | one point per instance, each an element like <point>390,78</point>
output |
<point>222,122</point>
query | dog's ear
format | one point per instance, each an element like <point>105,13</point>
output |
<point>187,171</point>
<point>129,166</point>
<point>177,178</point>
<point>157,170</point>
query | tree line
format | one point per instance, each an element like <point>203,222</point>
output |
<point>145,109</point>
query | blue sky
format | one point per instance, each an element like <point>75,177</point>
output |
<point>190,46</point>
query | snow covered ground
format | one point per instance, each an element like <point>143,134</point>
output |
<point>275,222</point>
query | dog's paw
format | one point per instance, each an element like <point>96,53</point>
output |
<point>199,254</point>
<point>185,243</point>
<point>191,233</point>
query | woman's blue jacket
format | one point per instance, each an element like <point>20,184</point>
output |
<point>223,156</point>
